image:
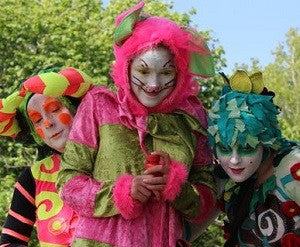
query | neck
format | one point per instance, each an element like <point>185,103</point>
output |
<point>265,170</point>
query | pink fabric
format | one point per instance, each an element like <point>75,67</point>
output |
<point>80,192</point>
<point>127,206</point>
<point>206,198</point>
<point>47,200</point>
<point>177,177</point>
<point>98,107</point>
<point>159,225</point>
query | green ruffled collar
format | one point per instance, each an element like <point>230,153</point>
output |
<point>260,194</point>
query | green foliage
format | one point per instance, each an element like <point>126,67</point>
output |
<point>77,33</point>
<point>283,77</point>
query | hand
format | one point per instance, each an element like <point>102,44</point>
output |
<point>139,190</point>
<point>158,183</point>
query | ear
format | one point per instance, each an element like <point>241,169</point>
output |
<point>126,21</point>
<point>201,60</point>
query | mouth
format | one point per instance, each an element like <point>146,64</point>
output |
<point>237,170</point>
<point>56,135</point>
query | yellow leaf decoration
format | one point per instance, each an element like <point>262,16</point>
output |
<point>257,82</point>
<point>240,81</point>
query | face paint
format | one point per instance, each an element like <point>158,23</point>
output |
<point>65,118</point>
<point>240,163</point>
<point>40,133</point>
<point>45,112</point>
<point>153,76</point>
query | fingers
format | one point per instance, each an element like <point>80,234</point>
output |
<point>155,181</point>
<point>154,169</point>
<point>138,189</point>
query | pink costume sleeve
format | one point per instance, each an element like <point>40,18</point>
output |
<point>79,190</point>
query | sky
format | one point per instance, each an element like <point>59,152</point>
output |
<point>245,28</point>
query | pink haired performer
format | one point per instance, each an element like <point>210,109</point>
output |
<point>154,111</point>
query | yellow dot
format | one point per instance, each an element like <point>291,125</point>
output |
<point>227,196</point>
<point>292,210</point>
<point>56,225</point>
<point>298,172</point>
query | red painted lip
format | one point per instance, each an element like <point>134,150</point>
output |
<point>237,171</point>
<point>56,135</point>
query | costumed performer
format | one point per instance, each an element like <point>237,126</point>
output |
<point>37,114</point>
<point>261,198</point>
<point>154,111</point>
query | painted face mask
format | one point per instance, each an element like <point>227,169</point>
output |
<point>51,120</point>
<point>240,162</point>
<point>153,76</point>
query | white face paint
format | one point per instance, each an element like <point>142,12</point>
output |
<point>153,76</point>
<point>240,163</point>
<point>51,120</point>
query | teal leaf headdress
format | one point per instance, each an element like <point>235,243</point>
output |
<point>242,114</point>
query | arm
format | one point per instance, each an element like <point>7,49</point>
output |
<point>288,171</point>
<point>196,198</point>
<point>21,216</point>
<point>76,184</point>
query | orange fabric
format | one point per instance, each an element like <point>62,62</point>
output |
<point>15,234</point>
<point>20,217</point>
<point>24,193</point>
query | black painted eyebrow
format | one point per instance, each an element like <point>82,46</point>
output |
<point>167,63</point>
<point>144,63</point>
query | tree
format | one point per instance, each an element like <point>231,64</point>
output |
<point>78,33</point>
<point>283,77</point>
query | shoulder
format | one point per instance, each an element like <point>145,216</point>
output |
<point>287,170</point>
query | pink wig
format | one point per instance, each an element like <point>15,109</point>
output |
<point>148,33</point>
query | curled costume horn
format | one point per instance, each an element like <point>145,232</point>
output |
<point>201,61</point>
<point>67,82</point>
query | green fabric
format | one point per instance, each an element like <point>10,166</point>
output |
<point>80,242</point>
<point>202,64</point>
<point>77,159</point>
<point>203,175</point>
<point>119,153</point>
<point>125,28</point>
<point>187,202</point>
<point>173,134</point>
<point>260,195</point>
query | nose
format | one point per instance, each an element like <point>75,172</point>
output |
<point>47,123</point>
<point>154,83</point>
<point>235,158</point>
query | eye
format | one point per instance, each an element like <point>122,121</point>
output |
<point>143,71</point>
<point>247,148</point>
<point>37,120</point>
<point>223,149</point>
<point>54,107</point>
<point>167,72</point>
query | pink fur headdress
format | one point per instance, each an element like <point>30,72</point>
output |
<point>148,32</point>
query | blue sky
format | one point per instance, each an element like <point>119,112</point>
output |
<point>245,28</point>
